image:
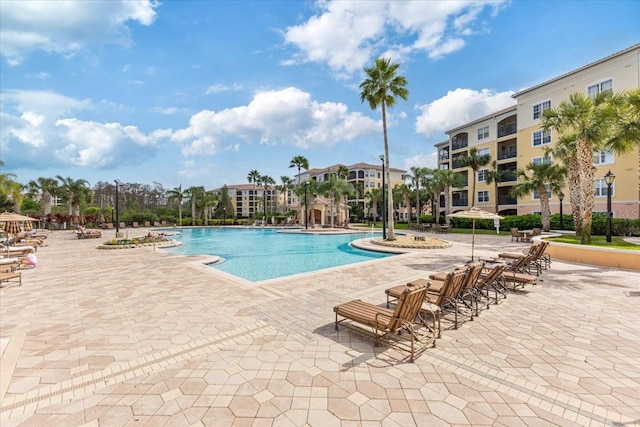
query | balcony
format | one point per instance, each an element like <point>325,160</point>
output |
<point>508,153</point>
<point>460,202</point>
<point>459,141</point>
<point>508,126</point>
<point>507,200</point>
<point>444,156</point>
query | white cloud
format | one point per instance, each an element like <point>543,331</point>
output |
<point>218,88</point>
<point>346,35</point>
<point>65,27</point>
<point>458,107</point>
<point>422,160</point>
<point>39,127</point>
<point>288,116</point>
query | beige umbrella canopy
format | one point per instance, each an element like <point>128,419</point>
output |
<point>473,214</point>
<point>12,222</point>
<point>10,216</point>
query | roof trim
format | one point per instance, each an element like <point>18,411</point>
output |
<point>577,70</point>
<point>488,116</point>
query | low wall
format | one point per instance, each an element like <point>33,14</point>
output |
<point>605,257</point>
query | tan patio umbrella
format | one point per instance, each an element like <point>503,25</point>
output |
<point>473,214</point>
<point>10,216</point>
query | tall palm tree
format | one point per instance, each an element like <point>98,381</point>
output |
<point>177,194</point>
<point>402,197</point>
<point>299,162</point>
<point>565,150</point>
<point>626,131</point>
<point>43,187</point>
<point>75,191</point>
<point>266,181</point>
<point>475,162</point>
<point>592,123</point>
<point>449,179</point>
<point>286,183</point>
<point>195,194</point>
<point>209,203</point>
<point>495,177</point>
<point>545,179</point>
<point>380,89</point>
<point>416,177</point>
<point>433,185</point>
<point>253,177</point>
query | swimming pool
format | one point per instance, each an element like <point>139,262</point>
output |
<point>261,254</point>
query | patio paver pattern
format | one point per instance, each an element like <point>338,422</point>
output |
<point>145,338</point>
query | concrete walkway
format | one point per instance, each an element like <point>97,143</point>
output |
<point>142,338</point>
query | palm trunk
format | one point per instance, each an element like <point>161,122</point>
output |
<point>587,189</point>
<point>473,187</point>
<point>574,194</point>
<point>391,235</point>
<point>495,186</point>
<point>417,204</point>
<point>447,206</point>
<point>546,210</point>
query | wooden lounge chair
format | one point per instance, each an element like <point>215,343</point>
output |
<point>492,278</point>
<point>89,234</point>
<point>390,326</point>
<point>515,234</point>
<point>540,260</point>
<point>9,274</point>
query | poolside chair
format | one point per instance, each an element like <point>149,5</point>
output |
<point>135,224</point>
<point>518,272</point>
<point>9,274</point>
<point>492,278</point>
<point>393,327</point>
<point>515,234</point>
<point>540,259</point>
<point>147,224</point>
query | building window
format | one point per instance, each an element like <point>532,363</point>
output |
<point>483,133</point>
<point>595,89</point>
<point>601,188</point>
<point>482,175</point>
<point>541,137</point>
<point>541,160</point>
<point>483,196</point>
<point>483,152</point>
<point>539,108</point>
<point>603,157</point>
<point>444,166</point>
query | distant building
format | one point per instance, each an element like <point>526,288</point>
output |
<point>513,137</point>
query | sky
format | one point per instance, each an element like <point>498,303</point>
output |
<point>199,93</point>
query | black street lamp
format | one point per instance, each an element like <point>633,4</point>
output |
<point>608,179</point>
<point>306,211</point>
<point>561,198</point>
<point>224,216</point>
<point>384,206</point>
<point>117,210</point>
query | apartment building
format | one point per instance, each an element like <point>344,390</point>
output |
<point>249,201</point>
<point>513,138</point>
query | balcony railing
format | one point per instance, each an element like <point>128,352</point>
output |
<point>459,145</point>
<point>507,130</point>
<point>444,156</point>
<point>509,153</point>
<point>456,164</point>
<point>507,200</point>
<point>460,202</point>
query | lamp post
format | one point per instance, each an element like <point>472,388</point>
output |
<point>224,216</point>
<point>306,212</point>
<point>384,206</point>
<point>117,210</point>
<point>608,179</point>
<point>561,198</point>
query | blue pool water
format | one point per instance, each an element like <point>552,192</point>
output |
<point>261,254</point>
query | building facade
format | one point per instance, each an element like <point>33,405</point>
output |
<point>514,138</point>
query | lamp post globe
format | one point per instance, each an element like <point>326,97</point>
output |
<point>561,198</point>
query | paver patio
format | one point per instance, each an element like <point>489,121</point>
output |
<point>137,337</point>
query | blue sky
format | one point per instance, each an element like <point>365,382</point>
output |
<point>202,92</point>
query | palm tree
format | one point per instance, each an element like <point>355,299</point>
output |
<point>402,197</point>
<point>375,199</point>
<point>626,131</point>
<point>545,179</point>
<point>177,194</point>
<point>75,192</point>
<point>416,176</point>
<point>380,88</point>
<point>287,182</point>
<point>209,202</point>
<point>565,150</point>
<point>253,177</point>
<point>266,181</point>
<point>195,193</point>
<point>495,176</point>
<point>449,179</point>
<point>475,162</point>
<point>44,187</point>
<point>591,121</point>
<point>433,185</point>
<point>10,190</point>
<point>299,162</point>
<point>335,188</point>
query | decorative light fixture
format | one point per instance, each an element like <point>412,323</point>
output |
<point>608,179</point>
<point>384,206</point>
<point>561,198</point>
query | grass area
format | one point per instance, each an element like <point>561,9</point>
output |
<point>616,242</point>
